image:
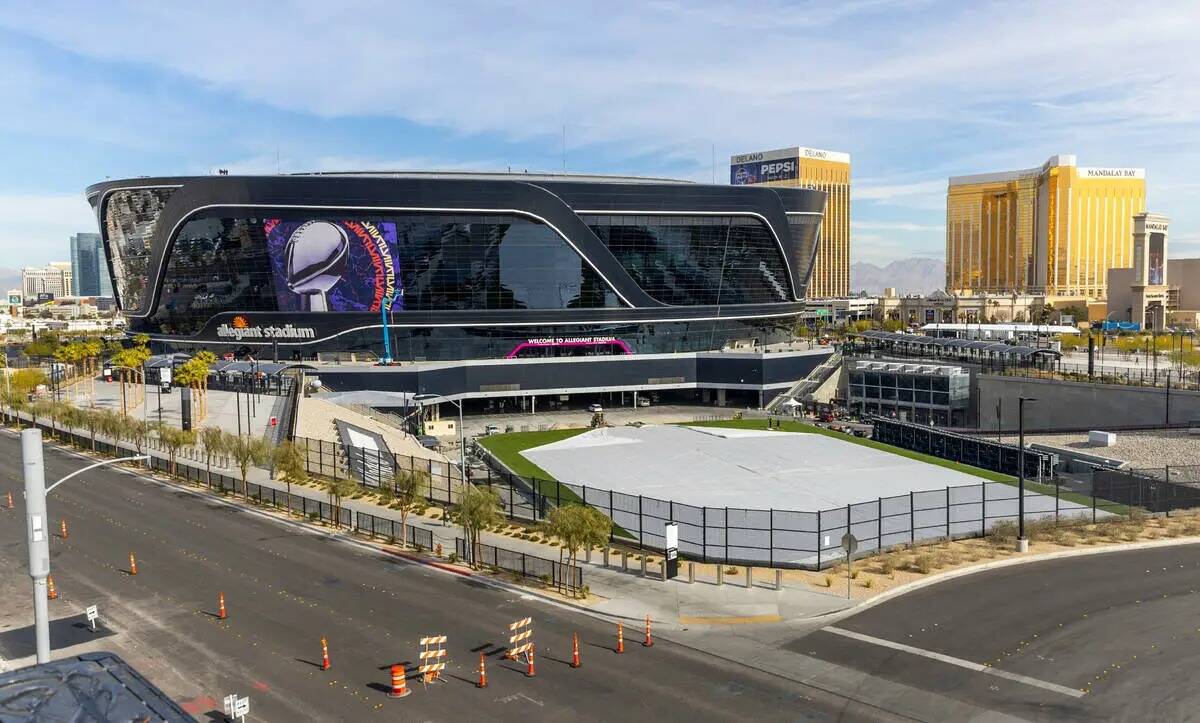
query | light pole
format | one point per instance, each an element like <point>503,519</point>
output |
<point>1022,541</point>
<point>462,438</point>
<point>38,530</point>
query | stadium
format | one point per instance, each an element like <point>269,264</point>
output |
<point>415,268</point>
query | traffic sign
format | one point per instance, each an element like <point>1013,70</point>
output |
<point>849,543</point>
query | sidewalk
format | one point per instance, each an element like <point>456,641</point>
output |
<point>625,595</point>
<point>628,595</point>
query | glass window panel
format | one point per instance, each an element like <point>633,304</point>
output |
<point>698,260</point>
<point>130,218</point>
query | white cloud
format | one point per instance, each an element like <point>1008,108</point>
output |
<point>915,91</point>
<point>36,229</point>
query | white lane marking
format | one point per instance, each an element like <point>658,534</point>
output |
<point>1054,687</point>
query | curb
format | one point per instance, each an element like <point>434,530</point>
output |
<point>999,564</point>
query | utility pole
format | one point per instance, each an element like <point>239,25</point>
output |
<point>37,531</point>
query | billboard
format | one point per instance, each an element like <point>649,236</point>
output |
<point>782,164</point>
<point>323,265</point>
<point>1156,272</point>
<point>750,168</point>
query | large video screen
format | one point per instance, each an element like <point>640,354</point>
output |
<point>335,265</point>
<point>1155,272</point>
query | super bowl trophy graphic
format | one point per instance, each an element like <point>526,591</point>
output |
<point>316,259</point>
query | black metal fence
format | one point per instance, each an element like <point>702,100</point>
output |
<point>1163,375</point>
<point>962,448</point>
<point>552,572</point>
<point>1145,488</point>
<point>300,504</point>
<point>324,458</point>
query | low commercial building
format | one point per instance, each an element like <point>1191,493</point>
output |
<point>976,308</point>
<point>923,393</point>
<point>1155,293</point>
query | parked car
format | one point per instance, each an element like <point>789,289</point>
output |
<point>491,429</point>
<point>595,408</point>
<point>643,402</point>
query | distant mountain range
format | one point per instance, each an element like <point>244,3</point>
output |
<point>9,279</point>
<point>908,276</point>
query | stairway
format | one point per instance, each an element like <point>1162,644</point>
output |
<point>808,384</point>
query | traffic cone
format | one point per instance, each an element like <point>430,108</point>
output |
<point>482,673</point>
<point>648,642</point>
<point>529,671</point>
<point>324,654</point>
<point>51,591</point>
<point>132,564</point>
<point>399,684</point>
<point>221,605</point>
<point>62,527</point>
<point>575,650</point>
<point>620,638</point>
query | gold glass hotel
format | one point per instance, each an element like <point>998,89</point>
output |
<point>1053,230</point>
<point>827,171</point>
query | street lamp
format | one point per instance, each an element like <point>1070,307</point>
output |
<point>37,528</point>
<point>1022,541</point>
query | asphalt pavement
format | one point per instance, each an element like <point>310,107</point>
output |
<point>1112,636</point>
<point>286,587</point>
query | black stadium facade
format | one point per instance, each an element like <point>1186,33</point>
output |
<point>485,270</point>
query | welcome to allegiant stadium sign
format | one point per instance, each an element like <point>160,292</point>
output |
<point>287,331</point>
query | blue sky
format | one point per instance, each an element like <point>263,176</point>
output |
<point>914,90</point>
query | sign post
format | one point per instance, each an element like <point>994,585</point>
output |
<point>93,614</point>
<point>850,545</point>
<point>671,559</point>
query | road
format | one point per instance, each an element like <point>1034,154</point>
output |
<point>1111,636</point>
<point>286,587</point>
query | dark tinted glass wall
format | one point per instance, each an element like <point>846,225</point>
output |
<point>130,218</point>
<point>805,230</point>
<point>446,263</point>
<point>216,264</point>
<point>697,260</point>
<point>492,262</point>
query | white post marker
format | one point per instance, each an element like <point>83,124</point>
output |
<point>93,614</point>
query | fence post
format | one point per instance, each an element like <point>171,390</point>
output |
<point>820,542</point>
<point>912,519</point>
<point>771,537</point>
<point>610,516</point>
<point>1093,505</point>
<point>1057,488</point>
<point>879,525</point>
<point>1167,487</point>
<point>641,523</point>
<point>947,512</point>
<point>983,508</point>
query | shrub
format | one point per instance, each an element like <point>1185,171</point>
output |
<point>829,581</point>
<point>887,566</point>
<point>1003,532</point>
<point>854,574</point>
<point>453,556</point>
<point>869,583</point>
<point>922,564</point>
<point>731,571</point>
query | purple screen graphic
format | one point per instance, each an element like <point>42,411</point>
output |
<point>355,267</point>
